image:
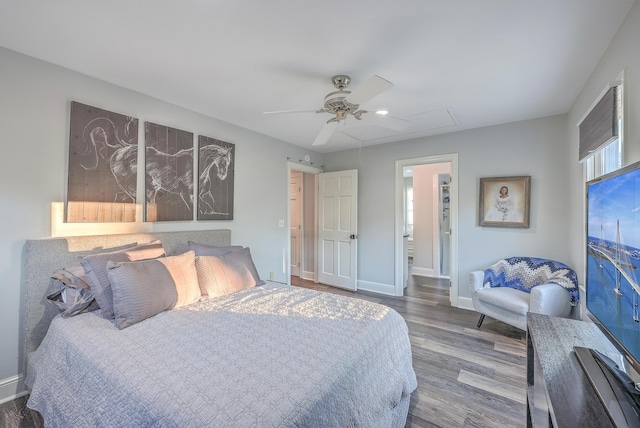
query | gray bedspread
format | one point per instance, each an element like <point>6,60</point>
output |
<point>270,356</point>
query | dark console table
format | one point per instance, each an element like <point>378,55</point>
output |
<point>559,393</point>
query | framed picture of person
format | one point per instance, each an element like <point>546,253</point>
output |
<point>504,201</point>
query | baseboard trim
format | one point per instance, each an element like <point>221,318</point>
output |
<point>376,287</point>
<point>12,388</point>
<point>421,271</point>
<point>309,276</point>
<point>465,303</point>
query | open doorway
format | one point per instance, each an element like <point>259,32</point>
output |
<point>427,218</point>
<point>426,228</point>
<point>302,215</point>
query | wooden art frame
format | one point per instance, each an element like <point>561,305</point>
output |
<point>216,166</point>
<point>168,173</point>
<point>504,201</point>
<point>103,171</point>
<point>103,156</point>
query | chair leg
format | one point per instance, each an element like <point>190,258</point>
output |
<point>480,320</point>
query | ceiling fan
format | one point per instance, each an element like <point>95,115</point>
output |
<point>343,103</point>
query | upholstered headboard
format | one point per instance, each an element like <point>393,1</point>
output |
<point>43,256</point>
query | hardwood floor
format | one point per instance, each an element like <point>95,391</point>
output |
<point>16,414</point>
<point>467,377</point>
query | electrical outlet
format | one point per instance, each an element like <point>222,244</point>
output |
<point>271,276</point>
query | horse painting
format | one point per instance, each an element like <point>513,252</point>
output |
<point>168,177</point>
<point>122,160</point>
<point>215,156</point>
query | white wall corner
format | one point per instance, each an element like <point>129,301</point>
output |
<point>12,388</point>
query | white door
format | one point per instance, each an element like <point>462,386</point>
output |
<point>295,196</point>
<point>338,229</point>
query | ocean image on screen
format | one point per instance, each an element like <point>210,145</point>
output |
<point>613,257</point>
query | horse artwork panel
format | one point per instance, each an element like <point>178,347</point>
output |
<point>103,151</point>
<point>215,179</point>
<point>169,169</point>
<point>103,170</point>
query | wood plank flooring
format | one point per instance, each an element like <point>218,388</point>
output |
<point>467,377</point>
<point>16,414</point>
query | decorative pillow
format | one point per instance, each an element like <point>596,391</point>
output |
<point>220,275</point>
<point>145,288</point>
<point>69,293</point>
<point>208,250</point>
<point>73,276</point>
<point>95,269</point>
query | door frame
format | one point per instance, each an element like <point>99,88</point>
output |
<point>399,220</point>
<point>300,206</point>
<point>287,257</point>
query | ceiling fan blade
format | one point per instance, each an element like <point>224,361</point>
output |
<point>292,111</point>
<point>371,87</point>
<point>325,133</point>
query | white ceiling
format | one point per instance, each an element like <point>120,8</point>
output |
<point>455,64</point>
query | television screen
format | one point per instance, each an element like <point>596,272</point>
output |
<point>613,257</point>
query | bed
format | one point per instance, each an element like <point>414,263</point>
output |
<point>265,356</point>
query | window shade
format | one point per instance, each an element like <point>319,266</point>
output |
<point>600,126</point>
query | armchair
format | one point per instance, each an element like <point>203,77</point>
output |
<point>512,287</point>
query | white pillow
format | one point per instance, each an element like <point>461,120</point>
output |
<point>220,275</point>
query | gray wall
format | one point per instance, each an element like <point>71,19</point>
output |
<point>546,149</point>
<point>622,54</point>
<point>534,147</point>
<point>34,119</point>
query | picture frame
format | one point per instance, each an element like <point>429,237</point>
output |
<point>504,201</point>
<point>103,157</point>
<point>216,183</point>
<point>168,173</point>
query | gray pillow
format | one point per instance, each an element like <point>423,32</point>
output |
<point>209,250</point>
<point>73,276</point>
<point>69,292</point>
<point>96,272</point>
<point>221,275</point>
<point>146,288</point>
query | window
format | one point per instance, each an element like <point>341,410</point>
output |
<point>606,157</point>
<point>603,161</point>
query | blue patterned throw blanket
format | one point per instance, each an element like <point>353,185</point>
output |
<point>523,273</point>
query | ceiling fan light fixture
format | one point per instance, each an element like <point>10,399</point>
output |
<point>344,104</point>
<point>336,103</point>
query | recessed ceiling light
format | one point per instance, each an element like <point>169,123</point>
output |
<point>382,112</point>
